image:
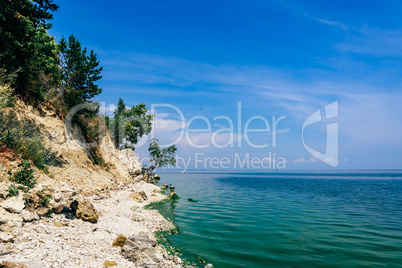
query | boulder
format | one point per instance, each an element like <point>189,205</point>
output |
<point>164,186</point>
<point>209,266</point>
<point>141,249</point>
<point>119,241</point>
<point>28,216</point>
<point>56,207</point>
<point>14,204</point>
<point>9,220</point>
<point>84,210</point>
<point>61,199</point>
<point>173,194</point>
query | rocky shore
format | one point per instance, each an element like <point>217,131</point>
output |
<point>77,213</point>
<point>62,240</point>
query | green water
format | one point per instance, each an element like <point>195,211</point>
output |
<point>288,219</point>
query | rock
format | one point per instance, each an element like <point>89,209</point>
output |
<point>109,264</point>
<point>173,194</point>
<point>61,199</point>
<point>171,187</point>
<point>28,216</point>
<point>130,161</point>
<point>164,186</point>
<point>139,197</point>
<point>156,177</point>
<point>58,224</point>
<point>153,194</point>
<point>9,220</point>
<point>119,241</point>
<point>200,259</point>
<point>56,207</point>
<point>10,264</point>
<point>57,197</point>
<point>136,197</point>
<point>6,237</point>
<point>43,211</point>
<point>177,260</point>
<point>209,266</point>
<point>14,204</point>
<point>143,195</point>
<point>141,249</point>
<point>84,210</point>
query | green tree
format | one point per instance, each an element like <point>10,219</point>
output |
<point>25,43</point>
<point>138,123</point>
<point>159,158</point>
<point>130,124</point>
<point>118,115</point>
<point>79,72</point>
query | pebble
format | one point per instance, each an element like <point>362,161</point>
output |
<point>64,241</point>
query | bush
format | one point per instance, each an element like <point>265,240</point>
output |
<point>7,98</point>
<point>13,190</point>
<point>22,138</point>
<point>24,175</point>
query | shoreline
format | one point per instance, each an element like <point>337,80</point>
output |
<point>61,240</point>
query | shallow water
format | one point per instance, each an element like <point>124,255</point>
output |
<point>288,219</point>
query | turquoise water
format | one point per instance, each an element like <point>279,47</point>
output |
<point>289,219</point>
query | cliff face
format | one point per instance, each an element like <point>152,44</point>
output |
<point>79,209</point>
<point>72,162</point>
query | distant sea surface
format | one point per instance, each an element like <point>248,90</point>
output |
<point>288,219</point>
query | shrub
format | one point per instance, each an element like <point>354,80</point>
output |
<point>13,190</point>
<point>24,175</point>
<point>22,138</point>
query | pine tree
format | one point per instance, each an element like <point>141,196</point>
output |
<point>25,43</point>
<point>79,72</point>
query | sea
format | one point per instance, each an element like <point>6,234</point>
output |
<point>287,219</point>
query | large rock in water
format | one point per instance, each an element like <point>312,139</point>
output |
<point>84,210</point>
<point>141,250</point>
<point>130,161</point>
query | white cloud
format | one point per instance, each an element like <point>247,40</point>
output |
<point>328,22</point>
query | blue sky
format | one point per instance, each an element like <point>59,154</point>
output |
<point>278,58</point>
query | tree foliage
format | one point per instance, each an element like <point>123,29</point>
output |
<point>131,124</point>
<point>25,43</point>
<point>161,157</point>
<point>79,72</point>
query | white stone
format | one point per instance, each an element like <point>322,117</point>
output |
<point>28,216</point>
<point>14,204</point>
<point>9,220</point>
<point>6,237</point>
